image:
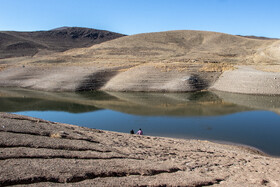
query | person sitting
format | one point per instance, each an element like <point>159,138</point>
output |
<point>132,131</point>
<point>140,132</point>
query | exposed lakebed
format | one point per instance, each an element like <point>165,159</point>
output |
<point>252,120</point>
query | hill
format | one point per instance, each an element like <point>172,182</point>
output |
<point>184,46</point>
<point>172,61</point>
<point>16,44</point>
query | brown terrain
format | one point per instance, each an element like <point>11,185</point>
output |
<point>17,44</point>
<point>173,61</point>
<point>36,152</point>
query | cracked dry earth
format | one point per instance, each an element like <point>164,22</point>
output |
<point>36,152</point>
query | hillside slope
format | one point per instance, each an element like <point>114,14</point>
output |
<point>182,46</point>
<point>172,61</point>
<point>15,44</point>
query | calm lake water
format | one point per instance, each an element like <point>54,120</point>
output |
<point>243,119</point>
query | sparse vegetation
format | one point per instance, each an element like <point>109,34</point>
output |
<point>2,67</point>
<point>55,135</point>
<point>174,66</point>
<point>213,67</point>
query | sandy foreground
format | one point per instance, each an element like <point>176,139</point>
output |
<point>36,152</point>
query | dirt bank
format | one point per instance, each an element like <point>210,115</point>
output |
<point>249,80</point>
<point>38,153</point>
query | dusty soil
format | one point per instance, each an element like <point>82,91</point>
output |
<point>249,80</point>
<point>36,152</point>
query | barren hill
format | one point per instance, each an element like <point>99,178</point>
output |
<point>172,61</point>
<point>15,44</point>
<point>183,46</point>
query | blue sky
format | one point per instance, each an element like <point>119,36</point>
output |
<point>245,17</point>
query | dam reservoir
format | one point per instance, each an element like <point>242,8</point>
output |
<point>251,120</point>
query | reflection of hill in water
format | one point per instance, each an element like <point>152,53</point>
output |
<point>139,103</point>
<point>257,102</point>
<point>174,104</point>
<point>15,100</point>
<point>31,104</point>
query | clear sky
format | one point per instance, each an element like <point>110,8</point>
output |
<point>245,17</point>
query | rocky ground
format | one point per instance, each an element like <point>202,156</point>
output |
<point>36,152</point>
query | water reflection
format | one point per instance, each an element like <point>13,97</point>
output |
<point>151,104</point>
<point>245,119</point>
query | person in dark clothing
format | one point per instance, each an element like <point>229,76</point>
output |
<point>132,131</point>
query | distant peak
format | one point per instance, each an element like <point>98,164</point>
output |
<point>61,28</point>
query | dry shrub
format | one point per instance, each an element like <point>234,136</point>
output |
<point>181,69</point>
<point>216,67</point>
<point>55,135</point>
<point>2,67</point>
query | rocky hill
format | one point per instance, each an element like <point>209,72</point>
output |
<point>16,44</point>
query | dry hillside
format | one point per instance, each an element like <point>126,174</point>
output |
<point>16,44</point>
<point>165,61</point>
<point>183,46</point>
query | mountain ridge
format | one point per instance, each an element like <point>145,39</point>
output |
<point>16,44</point>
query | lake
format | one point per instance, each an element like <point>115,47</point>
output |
<point>250,120</point>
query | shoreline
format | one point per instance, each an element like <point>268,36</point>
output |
<point>252,149</point>
<point>249,148</point>
<point>37,152</point>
